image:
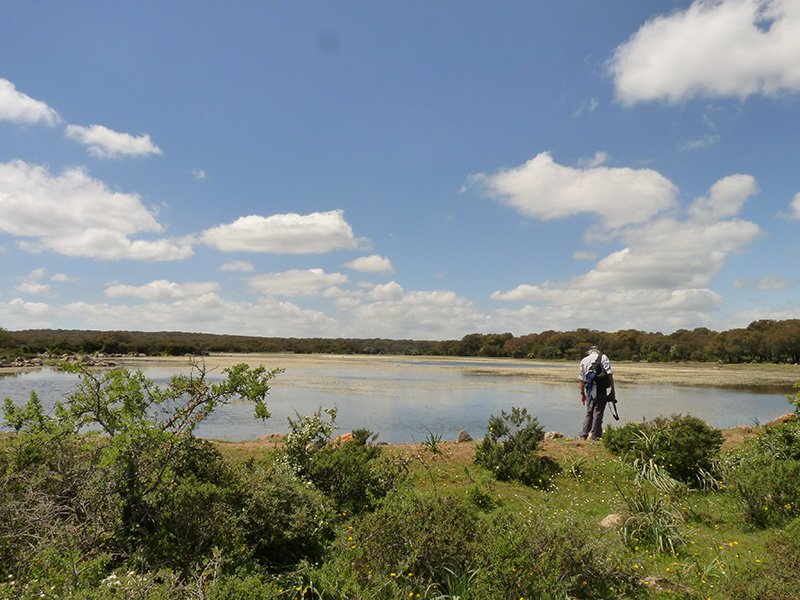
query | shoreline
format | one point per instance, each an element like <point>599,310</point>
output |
<point>563,372</point>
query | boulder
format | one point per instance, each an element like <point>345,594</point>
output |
<point>612,521</point>
<point>340,439</point>
<point>553,435</point>
<point>463,436</point>
<point>779,420</point>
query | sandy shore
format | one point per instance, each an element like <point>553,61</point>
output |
<point>691,374</point>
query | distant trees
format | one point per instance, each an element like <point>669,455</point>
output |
<point>763,341</point>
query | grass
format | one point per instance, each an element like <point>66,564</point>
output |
<point>700,549</point>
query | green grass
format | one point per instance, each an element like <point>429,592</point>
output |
<point>718,550</point>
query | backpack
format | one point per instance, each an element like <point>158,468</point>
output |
<point>596,376</point>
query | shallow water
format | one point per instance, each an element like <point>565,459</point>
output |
<point>407,403</point>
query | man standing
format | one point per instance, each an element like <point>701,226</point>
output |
<point>596,396</point>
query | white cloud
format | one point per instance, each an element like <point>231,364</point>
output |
<point>725,198</point>
<point>424,315</point>
<point>795,207</point>
<point>238,265</point>
<point>662,273</point>
<point>708,140</point>
<point>63,278</point>
<point>199,173</point>
<point>296,282</point>
<point>163,290</point>
<point>20,108</point>
<point>545,190</point>
<point>32,288</point>
<point>283,234</point>
<point>385,292</point>
<point>765,283</point>
<point>598,159</point>
<point>106,244</point>
<point>586,106</point>
<point>724,48</point>
<point>102,142</point>
<point>207,313</point>
<point>75,215</point>
<point>371,264</point>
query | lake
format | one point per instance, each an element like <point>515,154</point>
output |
<point>406,402</point>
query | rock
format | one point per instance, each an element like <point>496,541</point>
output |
<point>779,420</point>
<point>340,439</point>
<point>611,521</point>
<point>553,435</point>
<point>463,436</point>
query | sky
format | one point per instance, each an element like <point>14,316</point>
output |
<point>405,170</point>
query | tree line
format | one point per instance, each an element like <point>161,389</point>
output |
<point>762,341</point>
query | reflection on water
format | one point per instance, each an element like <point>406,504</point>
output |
<point>406,405</point>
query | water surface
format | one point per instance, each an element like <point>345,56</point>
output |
<point>406,403</point>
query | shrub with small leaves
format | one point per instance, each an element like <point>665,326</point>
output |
<point>510,449</point>
<point>682,445</point>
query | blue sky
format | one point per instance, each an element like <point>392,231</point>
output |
<point>398,169</point>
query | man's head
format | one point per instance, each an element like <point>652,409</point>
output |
<point>593,349</point>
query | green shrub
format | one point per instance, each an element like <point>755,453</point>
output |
<point>522,557</point>
<point>781,441</point>
<point>422,535</point>
<point>198,512</point>
<point>354,474</point>
<point>767,490</point>
<point>510,449</point>
<point>283,518</point>
<point>683,445</point>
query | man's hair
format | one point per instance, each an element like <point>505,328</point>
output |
<point>593,349</point>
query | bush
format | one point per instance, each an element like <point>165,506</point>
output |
<point>522,557</point>
<point>354,474</point>
<point>684,446</point>
<point>283,519</point>
<point>510,449</point>
<point>422,535</point>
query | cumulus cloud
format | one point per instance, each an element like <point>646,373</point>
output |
<point>297,282</point>
<point>545,190</point>
<point>385,292</point>
<point>76,215</point>
<point>103,142</point>
<point>795,207</point>
<point>21,108</point>
<point>725,48</point>
<point>318,232</point>
<point>725,198</point>
<point>426,315</point>
<point>664,268</point>
<point>33,288</point>
<point>238,265</point>
<point>371,264</point>
<point>208,313</point>
<point>163,290</point>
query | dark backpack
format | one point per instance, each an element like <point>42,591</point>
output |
<point>596,376</point>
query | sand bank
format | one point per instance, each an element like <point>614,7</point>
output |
<point>691,374</point>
